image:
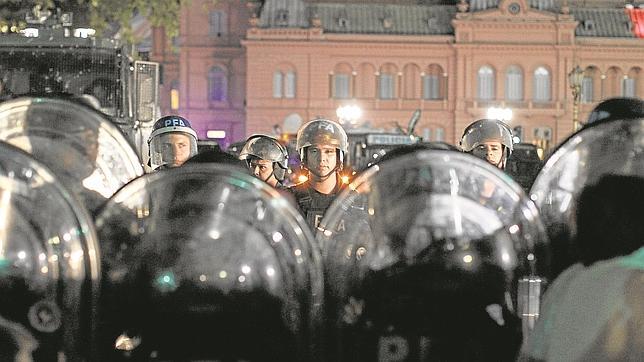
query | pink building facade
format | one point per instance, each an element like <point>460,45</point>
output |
<point>295,60</point>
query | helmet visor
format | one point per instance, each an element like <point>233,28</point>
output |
<point>172,149</point>
<point>486,132</point>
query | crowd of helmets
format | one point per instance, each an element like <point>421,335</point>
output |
<point>428,255</point>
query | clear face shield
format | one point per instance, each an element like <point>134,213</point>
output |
<point>172,149</point>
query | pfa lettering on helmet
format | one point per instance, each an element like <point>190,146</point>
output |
<point>175,122</point>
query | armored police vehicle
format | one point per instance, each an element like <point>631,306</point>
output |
<point>52,57</point>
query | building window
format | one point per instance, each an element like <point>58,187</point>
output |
<point>284,84</point>
<point>440,134</point>
<point>277,84</point>
<point>386,86</point>
<point>587,90</point>
<point>628,87</point>
<point>431,87</point>
<point>514,84</point>
<point>281,17</point>
<point>486,83</point>
<point>218,26</point>
<point>289,84</point>
<point>217,84</point>
<point>174,95</point>
<point>341,86</point>
<point>541,85</point>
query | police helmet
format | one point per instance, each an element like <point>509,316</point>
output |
<point>484,130</point>
<point>266,148</point>
<point>321,131</point>
<point>617,108</point>
<point>162,127</point>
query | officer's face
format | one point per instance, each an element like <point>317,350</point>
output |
<point>263,170</point>
<point>491,151</point>
<point>321,159</point>
<point>176,149</point>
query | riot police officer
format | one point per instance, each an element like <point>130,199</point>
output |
<point>172,142</point>
<point>266,158</point>
<point>321,144</point>
<point>489,139</point>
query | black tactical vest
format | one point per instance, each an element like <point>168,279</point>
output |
<point>313,204</point>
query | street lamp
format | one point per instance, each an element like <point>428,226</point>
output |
<point>575,77</point>
<point>349,115</point>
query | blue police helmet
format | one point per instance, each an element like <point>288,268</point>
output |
<point>172,124</point>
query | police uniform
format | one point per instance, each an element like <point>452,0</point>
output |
<point>312,203</point>
<point>319,131</point>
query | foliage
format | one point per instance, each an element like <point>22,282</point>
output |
<point>102,15</point>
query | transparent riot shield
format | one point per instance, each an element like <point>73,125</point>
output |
<point>424,257</point>
<point>49,265</point>
<point>611,147</point>
<point>86,151</point>
<point>204,262</point>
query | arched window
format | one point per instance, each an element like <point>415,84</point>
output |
<point>628,86</point>
<point>514,83</point>
<point>217,84</point>
<point>341,82</point>
<point>541,85</point>
<point>289,84</point>
<point>218,23</point>
<point>587,88</point>
<point>440,134</point>
<point>486,83</point>
<point>284,83</point>
<point>387,82</point>
<point>277,84</point>
<point>633,83</point>
<point>433,83</point>
<point>341,86</point>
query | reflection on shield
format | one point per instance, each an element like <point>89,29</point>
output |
<point>204,262</point>
<point>424,257</point>
<point>86,151</point>
<point>610,147</point>
<point>48,263</point>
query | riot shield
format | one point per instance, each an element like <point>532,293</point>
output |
<point>205,262</point>
<point>49,267</point>
<point>609,147</point>
<point>85,150</point>
<point>424,257</point>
